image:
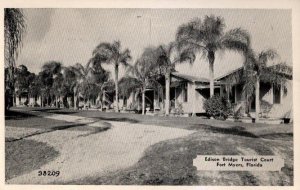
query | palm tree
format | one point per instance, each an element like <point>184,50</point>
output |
<point>167,62</point>
<point>143,76</point>
<point>256,71</point>
<point>14,29</point>
<point>79,73</point>
<point>35,88</point>
<point>106,87</point>
<point>208,37</point>
<point>112,54</point>
<point>23,80</point>
<point>52,72</point>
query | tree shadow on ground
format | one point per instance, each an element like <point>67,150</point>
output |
<point>15,115</point>
<point>45,109</point>
<point>171,163</point>
<point>63,127</point>
<point>235,130</point>
<point>56,111</point>
<point>123,119</point>
<point>56,128</point>
<point>95,130</point>
<point>63,112</point>
<point>278,136</point>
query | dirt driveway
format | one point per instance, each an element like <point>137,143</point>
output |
<point>93,148</point>
<point>115,146</point>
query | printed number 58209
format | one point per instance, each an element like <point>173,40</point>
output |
<point>49,173</point>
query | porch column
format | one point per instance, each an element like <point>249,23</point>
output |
<point>194,98</point>
<point>244,104</point>
<point>227,92</point>
<point>17,101</point>
<point>221,90</point>
<point>31,101</point>
<point>155,99</point>
<point>175,99</point>
<point>39,100</point>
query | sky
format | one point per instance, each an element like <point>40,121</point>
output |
<point>70,35</point>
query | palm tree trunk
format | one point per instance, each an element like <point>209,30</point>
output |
<point>56,101</point>
<point>143,103</point>
<point>211,58</point>
<point>167,103</point>
<point>103,100</point>
<point>257,102</point>
<point>13,99</point>
<point>42,101</point>
<point>75,100</point>
<point>117,87</point>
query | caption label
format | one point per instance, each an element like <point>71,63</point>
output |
<point>238,163</point>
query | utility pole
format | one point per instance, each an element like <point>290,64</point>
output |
<point>150,25</point>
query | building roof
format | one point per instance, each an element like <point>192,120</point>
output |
<point>189,77</point>
<point>228,73</point>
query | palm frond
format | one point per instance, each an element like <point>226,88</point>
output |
<point>116,47</point>
<point>277,74</point>
<point>236,39</point>
<point>212,30</point>
<point>125,57</point>
<point>186,55</point>
<point>104,53</point>
<point>267,55</point>
<point>191,35</point>
<point>14,29</point>
<point>129,84</point>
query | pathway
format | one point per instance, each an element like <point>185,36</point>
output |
<point>84,154</point>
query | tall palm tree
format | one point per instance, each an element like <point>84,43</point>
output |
<point>208,37</point>
<point>168,57</point>
<point>105,88</point>
<point>257,70</point>
<point>142,76</point>
<point>112,54</point>
<point>23,80</point>
<point>14,29</point>
<point>80,75</point>
<point>52,79</point>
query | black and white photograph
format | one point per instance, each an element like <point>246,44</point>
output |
<point>148,96</point>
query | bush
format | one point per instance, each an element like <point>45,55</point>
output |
<point>26,103</point>
<point>179,109</point>
<point>237,114</point>
<point>217,107</point>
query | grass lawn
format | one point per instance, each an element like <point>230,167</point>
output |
<point>171,162</point>
<point>28,154</point>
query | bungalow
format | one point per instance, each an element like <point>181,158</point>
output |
<point>189,93</point>
<point>275,102</point>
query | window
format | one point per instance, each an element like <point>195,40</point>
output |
<point>185,92</point>
<point>276,94</point>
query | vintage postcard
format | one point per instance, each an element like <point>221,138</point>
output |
<point>150,94</point>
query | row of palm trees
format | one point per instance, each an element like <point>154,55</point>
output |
<point>198,37</point>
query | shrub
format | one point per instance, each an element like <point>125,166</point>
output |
<point>217,107</point>
<point>26,103</point>
<point>179,109</point>
<point>237,114</point>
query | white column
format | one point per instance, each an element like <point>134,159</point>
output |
<point>39,100</point>
<point>194,98</point>
<point>17,101</point>
<point>221,90</point>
